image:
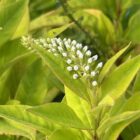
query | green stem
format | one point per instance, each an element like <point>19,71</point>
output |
<point>116,23</point>
<point>99,115</point>
<point>70,16</point>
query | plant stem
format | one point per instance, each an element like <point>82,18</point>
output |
<point>70,16</point>
<point>116,24</point>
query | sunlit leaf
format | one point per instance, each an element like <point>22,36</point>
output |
<point>8,127</point>
<point>133,31</point>
<point>59,113</point>
<point>10,18</point>
<point>19,114</point>
<point>80,107</point>
<point>66,134</point>
<point>32,88</point>
<point>110,63</point>
<point>50,19</point>
<point>118,81</point>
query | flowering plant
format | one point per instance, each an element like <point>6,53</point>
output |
<point>101,95</point>
<point>91,107</point>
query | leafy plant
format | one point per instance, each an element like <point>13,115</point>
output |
<point>98,103</point>
<point>96,112</point>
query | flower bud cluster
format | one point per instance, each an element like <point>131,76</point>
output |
<point>78,58</point>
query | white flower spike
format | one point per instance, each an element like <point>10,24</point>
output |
<point>77,59</point>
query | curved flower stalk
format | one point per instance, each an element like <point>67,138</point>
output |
<point>78,58</point>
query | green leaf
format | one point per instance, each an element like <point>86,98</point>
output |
<point>137,137</point>
<point>133,31</point>
<point>32,88</point>
<point>80,107</point>
<point>13,73</point>
<point>49,19</point>
<point>19,114</point>
<point>56,31</point>
<point>136,87</point>
<point>103,25</point>
<point>107,6</point>
<point>38,7</point>
<point>107,67</point>
<point>129,3</point>
<point>117,121</point>
<point>131,130</point>
<point>10,53</point>
<point>112,127</point>
<point>132,104</point>
<point>8,127</point>
<point>66,134</point>
<point>117,106</point>
<point>23,26</point>
<point>59,113</point>
<point>10,17</point>
<point>118,81</point>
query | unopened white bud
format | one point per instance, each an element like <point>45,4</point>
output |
<point>42,40</point>
<point>87,68</point>
<point>85,48</point>
<point>100,65</point>
<point>69,68</point>
<point>95,57</point>
<point>69,61</point>
<point>78,46</point>
<point>73,48</point>
<point>88,53</point>
<point>93,73</point>
<point>60,43</point>
<point>54,44</point>
<point>64,39</point>
<point>58,40</point>
<point>60,48</point>
<point>64,54</point>
<point>75,76</point>
<point>69,40</point>
<point>94,83</point>
<point>73,42</point>
<point>67,46</point>
<point>90,60</point>
<point>76,67</point>
<point>81,56</point>
<point>78,52</point>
